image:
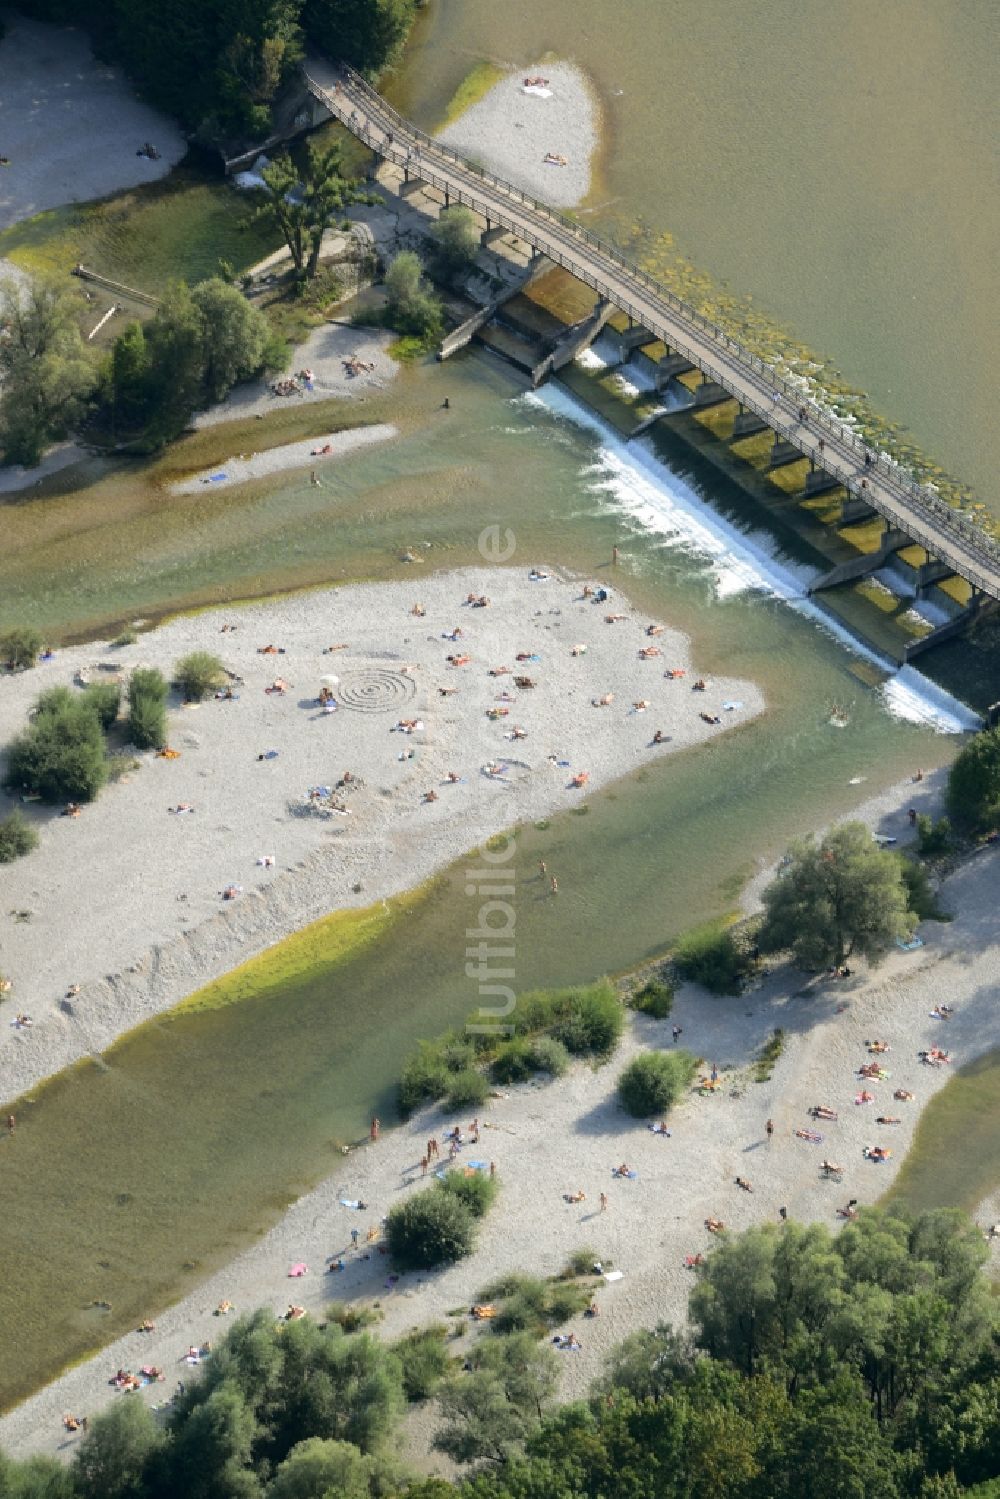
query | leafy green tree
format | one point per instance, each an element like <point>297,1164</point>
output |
<point>105,699</point>
<point>653,1081</point>
<point>369,34</point>
<point>304,205</point>
<point>973,794</point>
<point>411,306</point>
<point>147,714</point>
<point>128,387</point>
<point>36,1478</point>
<point>175,339</point>
<point>841,896</point>
<point>261,46</point>
<point>17,837</point>
<point>833,1446</point>
<point>198,674</point>
<point>62,753</point>
<point>46,374</point>
<point>210,1452</point>
<point>431,1228</point>
<point>235,336</point>
<point>19,648</point>
<point>113,1459</point>
<point>456,239</point>
<point>489,1412</point>
<point>319,1469</point>
<point>477,1192</point>
<point>647,1364</point>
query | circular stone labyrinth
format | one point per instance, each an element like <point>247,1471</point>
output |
<point>375,689</point>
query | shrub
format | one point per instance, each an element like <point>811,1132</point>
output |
<point>652,1081</point>
<point>515,1061</point>
<point>61,755</point>
<point>126,637</point>
<point>17,838</point>
<point>710,956</point>
<point>920,895</point>
<point>933,838</point>
<point>596,1024</point>
<point>147,718</point>
<point>655,998</point>
<point>549,1055</point>
<point>412,307</point>
<point>467,1089</point>
<point>580,1262</point>
<point>768,1056</point>
<point>431,1228</point>
<point>425,1078</point>
<point>456,240</point>
<point>478,1192</point>
<point>198,674</point>
<point>19,648</point>
<point>105,699</point>
<point>424,1361</point>
<point>352,1318</point>
<point>973,794</point>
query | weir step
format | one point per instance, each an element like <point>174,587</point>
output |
<point>863,564</point>
<point>647,422</point>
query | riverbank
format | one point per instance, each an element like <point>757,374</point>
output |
<point>566,1136</point>
<point>315,453</point>
<point>263,774</point>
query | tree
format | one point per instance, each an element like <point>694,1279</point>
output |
<point>198,674</point>
<point>36,1478</point>
<point>842,896</point>
<point>318,1469</point>
<point>973,794</point>
<point>129,386</point>
<point>262,45</point>
<point>456,239</point>
<point>62,754</point>
<point>369,34</point>
<point>209,1456</point>
<point>304,206</point>
<point>105,699</point>
<point>432,1228</point>
<point>653,1081</point>
<point>17,837</point>
<point>412,307</point>
<point>235,335</point>
<point>113,1458</point>
<point>19,648</point>
<point>46,375</point>
<point>490,1411</point>
<point>175,338</point>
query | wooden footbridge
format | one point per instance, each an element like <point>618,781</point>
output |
<point>913,513</point>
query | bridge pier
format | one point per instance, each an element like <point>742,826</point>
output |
<point>670,366</point>
<point>710,393</point>
<point>746,423</point>
<point>930,574</point>
<point>783,452</point>
<point>818,481</point>
<point>853,511</point>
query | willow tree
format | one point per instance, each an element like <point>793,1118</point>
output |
<point>304,205</point>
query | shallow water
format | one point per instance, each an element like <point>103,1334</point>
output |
<point>836,164</point>
<point>141,1172</point>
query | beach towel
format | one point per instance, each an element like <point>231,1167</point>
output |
<point>612,1275</point>
<point>297,1271</point>
<point>478,1165</point>
<point>910,946</point>
<point>632,1176</point>
<point>733,707</point>
<point>215,479</point>
<point>659,1130</point>
<point>346,1202</point>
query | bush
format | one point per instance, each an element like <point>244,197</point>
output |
<point>478,1192</point>
<point>580,1262</point>
<point>710,956</point>
<point>352,1318</point>
<point>655,998</point>
<point>973,794</point>
<point>126,637</point>
<point>651,1083</point>
<point>456,240</point>
<point>933,838</point>
<point>920,895</point>
<point>412,307</point>
<point>199,674</point>
<point>17,838</point>
<point>61,756</point>
<point>425,1078</point>
<point>515,1061</point>
<point>768,1056</point>
<point>596,1024</point>
<point>549,1055</point>
<point>431,1228</point>
<point>105,699</point>
<point>19,648</point>
<point>147,718</point>
<point>467,1089</point>
<point>424,1361</point>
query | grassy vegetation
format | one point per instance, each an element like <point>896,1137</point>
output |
<point>655,998</point>
<point>954,1160</point>
<point>181,227</point>
<point>474,86</point>
<point>424,1360</point>
<point>711,955</point>
<point>317,949</point>
<point>526,1304</point>
<point>579,1021</point>
<point>767,1058</point>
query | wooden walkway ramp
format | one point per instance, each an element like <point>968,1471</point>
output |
<point>914,509</point>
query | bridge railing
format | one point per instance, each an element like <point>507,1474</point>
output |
<point>902,487</point>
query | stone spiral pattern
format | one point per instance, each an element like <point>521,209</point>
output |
<point>376,689</point>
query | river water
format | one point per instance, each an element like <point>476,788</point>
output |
<point>838,164</point>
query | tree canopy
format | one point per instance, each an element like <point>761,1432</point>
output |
<point>304,203</point>
<point>974,783</point>
<point>46,374</point>
<point>836,898</point>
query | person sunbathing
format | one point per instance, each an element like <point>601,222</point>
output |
<point>660,738</point>
<point>876,1153</point>
<point>642,705</point>
<point>877,1046</point>
<point>715,1225</point>
<point>654,629</point>
<point>623,1170</point>
<point>518,732</point>
<point>484,1311</point>
<point>613,619</point>
<point>699,686</point>
<point>810,1135</point>
<point>887,1119</point>
<point>574,1197</point>
<point>849,1210</point>
<point>604,701</point>
<point>146,1325</point>
<point>674,672</point>
<point>580,779</point>
<point>500,671</point>
<point>820,1111</point>
<point>831,1168</point>
<point>525,682</point>
<point>430,796</point>
<point>904,1095</point>
<point>459,660</point>
<point>294,1313</point>
<point>712,718</point>
<point>742,1182</point>
<point>649,652</point>
<point>864,1097</point>
<point>495,713</point>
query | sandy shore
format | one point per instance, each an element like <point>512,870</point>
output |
<point>568,1135</point>
<point>323,352</point>
<point>162,929</point>
<point>308,453</point>
<point>510,132</point>
<point>71,125</point>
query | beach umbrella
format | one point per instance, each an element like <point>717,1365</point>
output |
<point>330,680</point>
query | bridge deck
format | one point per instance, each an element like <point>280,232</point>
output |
<point>833,446</point>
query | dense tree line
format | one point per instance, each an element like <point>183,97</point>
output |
<point>219,65</point>
<point>858,1366</point>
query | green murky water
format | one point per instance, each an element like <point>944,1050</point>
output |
<point>138,1174</point>
<point>835,163</point>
